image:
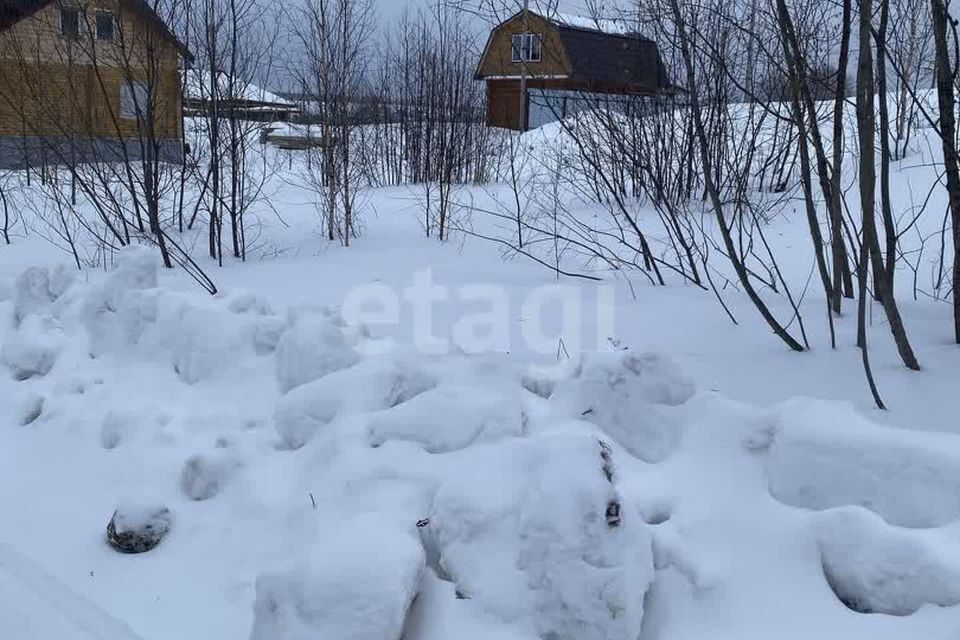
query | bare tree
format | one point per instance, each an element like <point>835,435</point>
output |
<point>948,136</point>
<point>334,35</point>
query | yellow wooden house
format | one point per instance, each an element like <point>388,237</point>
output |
<point>88,81</point>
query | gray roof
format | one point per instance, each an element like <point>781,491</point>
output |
<point>618,59</point>
<point>12,11</point>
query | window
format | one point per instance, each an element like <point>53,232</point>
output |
<point>70,22</point>
<point>134,100</point>
<point>526,47</point>
<point>105,26</point>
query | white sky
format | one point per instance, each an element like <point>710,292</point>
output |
<point>389,10</point>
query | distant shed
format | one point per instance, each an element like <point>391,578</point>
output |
<point>245,100</point>
<point>563,58</point>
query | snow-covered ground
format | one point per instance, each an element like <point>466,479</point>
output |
<point>402,437</point>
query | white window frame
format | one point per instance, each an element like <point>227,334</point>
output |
<point>134,100</point>
<point>113,21</point>
<point>529,44</point>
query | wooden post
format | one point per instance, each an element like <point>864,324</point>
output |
<point>523,68</point>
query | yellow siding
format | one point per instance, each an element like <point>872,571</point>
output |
<point>55,86</point>
<point>497,59</point>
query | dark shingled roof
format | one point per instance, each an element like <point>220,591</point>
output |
<point>13,11</point>
<point>617,59</point>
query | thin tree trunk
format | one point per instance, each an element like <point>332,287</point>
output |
<point>948,137</point>
<point>841,268</point>
<point>866,123</point>
<point>889,226</point>
<point>868,179</point>
<point>6,216</point>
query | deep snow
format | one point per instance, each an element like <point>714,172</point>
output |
<point>315,490</point>
<point>650,470</point>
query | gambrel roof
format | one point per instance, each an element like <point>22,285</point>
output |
<point>600,53</point>
<point>621,58</point>
<point>13,11</point>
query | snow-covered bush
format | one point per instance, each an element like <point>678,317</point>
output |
<point>116,311</point>
<point>32,293</point>
<point>631,396</point>
<point>136,268</point>
<point>530,538</point>
<point>199,337</point>
<point>33,348</point>
<point>61,278</point>
<point>317,343</point>
<point>875,568</point>
<point>358,583</point>
<point>588,573</point>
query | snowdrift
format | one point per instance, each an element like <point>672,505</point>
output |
<point>316,492</point>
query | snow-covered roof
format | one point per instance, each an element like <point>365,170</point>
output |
<point>611,26</point>
<point>198,87</point>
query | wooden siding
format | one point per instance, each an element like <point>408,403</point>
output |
<point>503,104</point>
<point>56,86</point>
<point>497,58</point>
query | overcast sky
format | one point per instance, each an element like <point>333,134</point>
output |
<point>391,8</point>
<point>280,78</point>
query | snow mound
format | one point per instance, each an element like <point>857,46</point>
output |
<point>32,293</point>
<point>116,310</point>
<point>204,475</point>
<point>439,614</point>
<point>630,396</point>
<point>588,575</point>
<point>825,455</point>
<point>358,583</point>
<point>531,538</point>
<point>371,385</point>
<point>200,338</point>
<point>491,494</point>
<point>317,343</point>
<point>875,568</point>
<point>30,409</point>
<point>207,341</point>
<point>116,428</point>
<point>450,418</point>
<point>33,349</point>
<point>543,381</point>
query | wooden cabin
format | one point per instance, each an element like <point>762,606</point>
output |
<point>88,80</point>
<point>565,61</point>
